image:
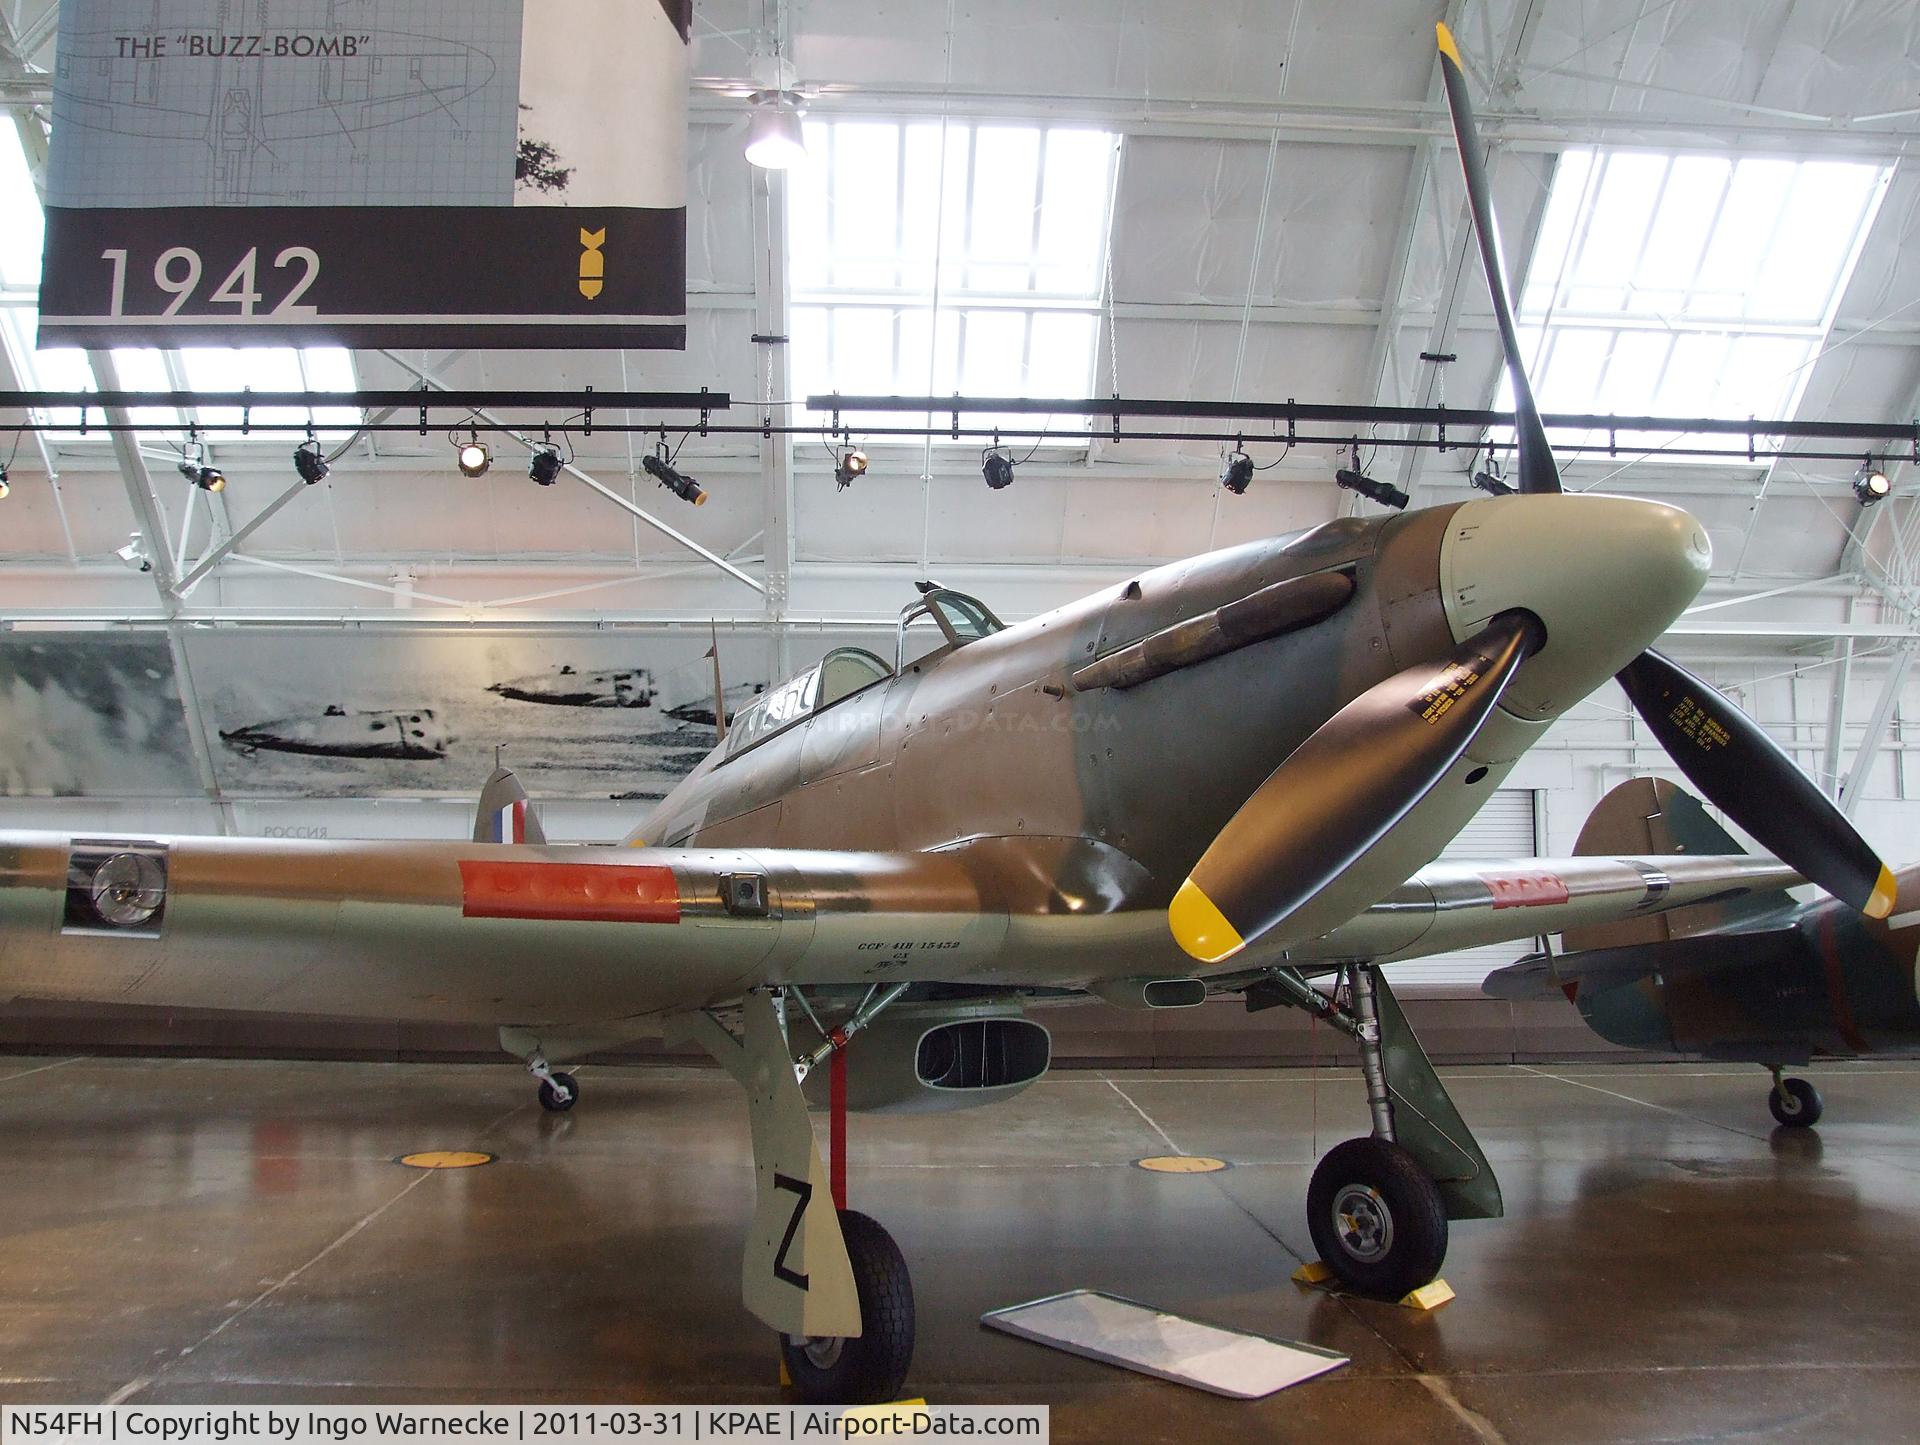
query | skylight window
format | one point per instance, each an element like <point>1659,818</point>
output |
<point>1686,285</point>
<point>1003,238</point>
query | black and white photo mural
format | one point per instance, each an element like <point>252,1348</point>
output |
<point>92,713</point>
<point>311,714</point>
<point>306,713</point>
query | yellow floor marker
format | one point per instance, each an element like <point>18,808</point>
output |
<point>1181,1164</point>
<point>445,1159</point>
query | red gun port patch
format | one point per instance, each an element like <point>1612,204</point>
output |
<point>1525,890</point>
<point>580,892</point>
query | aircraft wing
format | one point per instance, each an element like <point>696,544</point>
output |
<point>472,931</point>
<point>1466,905</point>
<point>480,932</point>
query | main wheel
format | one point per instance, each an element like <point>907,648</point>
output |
<point>868,1370</point>
<point>551,1099</point>
<point>1377,1218</point>
<point>1796,1103</point>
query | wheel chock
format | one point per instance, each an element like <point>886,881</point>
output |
<point>900,1410</point>
<point>1318,1274</point>
<point>1429,1296</point>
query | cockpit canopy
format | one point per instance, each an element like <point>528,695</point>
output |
<point>935,623</point>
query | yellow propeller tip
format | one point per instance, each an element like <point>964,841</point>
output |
<point>1200,928</point>
<point>1447,47</point>
<point>1885,892</point>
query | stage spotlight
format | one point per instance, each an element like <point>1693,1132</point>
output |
<point>473,457</point>
<point>1492,485</point>
<point>1237,475</point>
<point>997,468</point>
<point>6,485</point>
<point>1871,483</point>
<point>134,554</point>
<point>775,141</point>
<point>682,486</point>
<point>206,478</point>
<point>545,466</point>
<point>850,465</point>
<point>310,462</point>
<point>1385,493</point>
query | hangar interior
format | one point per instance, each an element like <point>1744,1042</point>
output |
<point>1260,205</point>
<point>1709,210</point>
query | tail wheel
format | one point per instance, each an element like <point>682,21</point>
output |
<point>1796,1103</point>
<point>868,1370</point>
<point>551,1098</point>
<point>1377,1218</point>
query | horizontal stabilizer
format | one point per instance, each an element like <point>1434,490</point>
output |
<point>1529,978</point>
<point>1537,976</point>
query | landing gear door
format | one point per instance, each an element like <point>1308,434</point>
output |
<point>796,1276</point>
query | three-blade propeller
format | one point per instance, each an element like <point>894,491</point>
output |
<point>1342,789</point>
<point>1723,751</point>
<point>1368,766</point>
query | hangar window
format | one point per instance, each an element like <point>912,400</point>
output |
<point>923,268</point>
<point>65,368</point>
<point>1689,285</point>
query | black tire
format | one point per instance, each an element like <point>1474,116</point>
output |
<point>1796,1104</point>
<point>1377,1218</point>
<point>551,1101</point>
<point>868,1370</point>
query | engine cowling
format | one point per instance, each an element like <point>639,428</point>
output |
<point>922,1060</point>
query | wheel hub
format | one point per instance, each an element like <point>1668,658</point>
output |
<point>822,1351</point>
<point>1363,1222</point>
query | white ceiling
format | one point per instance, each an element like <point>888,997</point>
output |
<point>1357,248</point>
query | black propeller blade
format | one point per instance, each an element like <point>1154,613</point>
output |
<point>1725,753</point>
<point>1342,789</point>
<point>1731,759</point>
<point>1537,469</point>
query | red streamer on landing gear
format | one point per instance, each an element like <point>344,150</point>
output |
<point>837,1121</point>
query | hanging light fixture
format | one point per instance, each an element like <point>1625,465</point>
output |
<point>473,456</point>
<point>674,480</point>
<point>544,467</point>
<point>775,141</point>
<point>1871,483</point>
<point>851,464</point>
<point>310,462</point>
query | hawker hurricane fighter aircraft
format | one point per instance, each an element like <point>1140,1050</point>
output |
<point>1227,775</point>
<point>1758,978</point>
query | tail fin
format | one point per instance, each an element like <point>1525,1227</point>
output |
<point>504,814</point>
<point>1653,816</point>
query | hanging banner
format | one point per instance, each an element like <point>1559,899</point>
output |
<point>419,173</point>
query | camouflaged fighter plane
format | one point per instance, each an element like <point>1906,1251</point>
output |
<point>1757,979</point>
<point>1229,775</point>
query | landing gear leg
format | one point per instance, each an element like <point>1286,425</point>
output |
<point>1375,1215</point>
<point>1795,1103</point>
<point>558,1092</point>
<point>830,1282</point>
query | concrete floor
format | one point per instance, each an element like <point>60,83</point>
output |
<point>1671,1267</point>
